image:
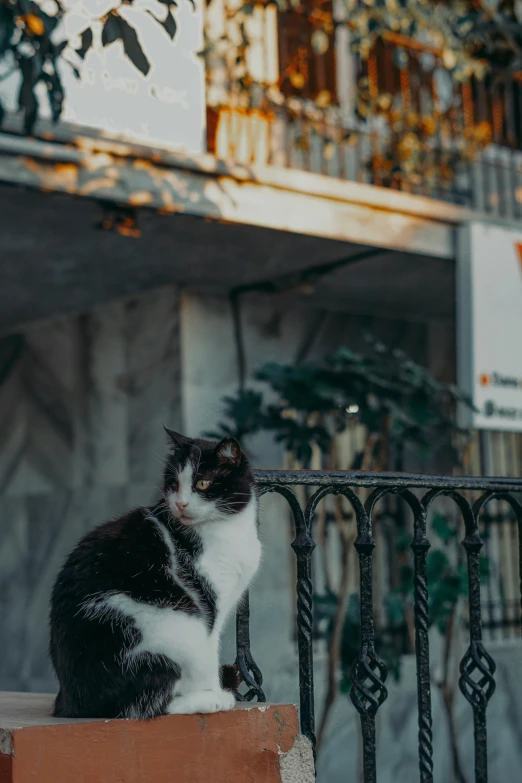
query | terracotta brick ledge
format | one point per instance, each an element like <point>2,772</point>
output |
<point>255,743</point>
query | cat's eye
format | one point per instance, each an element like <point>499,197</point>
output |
<point>203,485</point>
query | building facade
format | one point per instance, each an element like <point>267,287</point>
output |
<point>130,230</point>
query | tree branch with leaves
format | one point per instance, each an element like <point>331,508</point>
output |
<point>33,42</point>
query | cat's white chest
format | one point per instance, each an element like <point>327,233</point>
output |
<point>230,558</point>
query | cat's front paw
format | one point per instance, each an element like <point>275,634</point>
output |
<point>202,702</point>
<point>224,701</point>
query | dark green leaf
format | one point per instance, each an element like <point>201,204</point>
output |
<point>170,25</point>
<point>7,27</point>
<point>75,70</point>
<point>55,92</point>
<point>112,29</point>
<point>132,47</point>
<point>346,683</point>
<point>441,526</point>
<point>402,542</point>
<point>394,606</point>
<point>86,42</point>
<point>484,567</point>
<point>27,100</point>
<point>436,563</point>
<point>325,606</point>
<point>406,578</point>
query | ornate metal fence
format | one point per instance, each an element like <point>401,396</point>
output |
<point>477,668</point>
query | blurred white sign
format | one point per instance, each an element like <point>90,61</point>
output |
<point>489,324</point>
<point>159,98</point>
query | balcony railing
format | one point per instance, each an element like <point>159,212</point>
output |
<point>491,182</point>
<point>477,668</point>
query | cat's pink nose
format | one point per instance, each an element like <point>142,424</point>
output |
<point>181,506</point>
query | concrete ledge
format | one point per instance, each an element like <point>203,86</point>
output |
<point>252,743</point>
<point>201,185</point>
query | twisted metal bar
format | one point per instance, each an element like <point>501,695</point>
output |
<point>420,546</point>
<point>477,692</point>
<point>303,546</point>
<point>368,671</point>
<point>247,667</point>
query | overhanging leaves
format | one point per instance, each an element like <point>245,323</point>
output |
<point>170,25</point>
<point>112,29</point>
<point>132,47</point>
<point>117,28</point>
<point>7,27</point>
<point>27,100</point>
<point>86,39</point>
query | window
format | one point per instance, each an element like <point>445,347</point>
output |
<point>307,51</point>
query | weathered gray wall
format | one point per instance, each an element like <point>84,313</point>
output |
<point>81,440</point>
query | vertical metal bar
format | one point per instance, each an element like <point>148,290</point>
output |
<point>341,152</point>
<point>420,546</point>
<point>484,107</point>
<point>519,517</point>
<point>503,532</point>
<point>363,671</point>
<point>485,470</point>
<point>490,603</point>
<point>307,152</point>
<point>303,546</point>
<point>513,622</point>
<point>477,666</point>
<point>368,671</point>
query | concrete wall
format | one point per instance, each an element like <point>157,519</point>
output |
<point>81,440</point>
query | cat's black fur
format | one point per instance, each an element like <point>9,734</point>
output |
<point>127,556</point>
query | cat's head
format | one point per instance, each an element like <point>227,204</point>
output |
<point>206,481</point>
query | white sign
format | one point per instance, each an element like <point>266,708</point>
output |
<point>160,98</point>
<point>489,324</point>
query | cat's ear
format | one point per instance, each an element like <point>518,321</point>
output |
<point>175,439</point>
<point>229,452</point>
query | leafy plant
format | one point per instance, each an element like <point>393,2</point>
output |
<point>28,44</point>
<point>396,400</point>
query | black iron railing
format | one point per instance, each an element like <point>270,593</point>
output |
<point>369,673</point>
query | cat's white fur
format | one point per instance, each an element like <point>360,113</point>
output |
<point>229,560</point>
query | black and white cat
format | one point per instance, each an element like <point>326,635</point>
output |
<point>138,609</point>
